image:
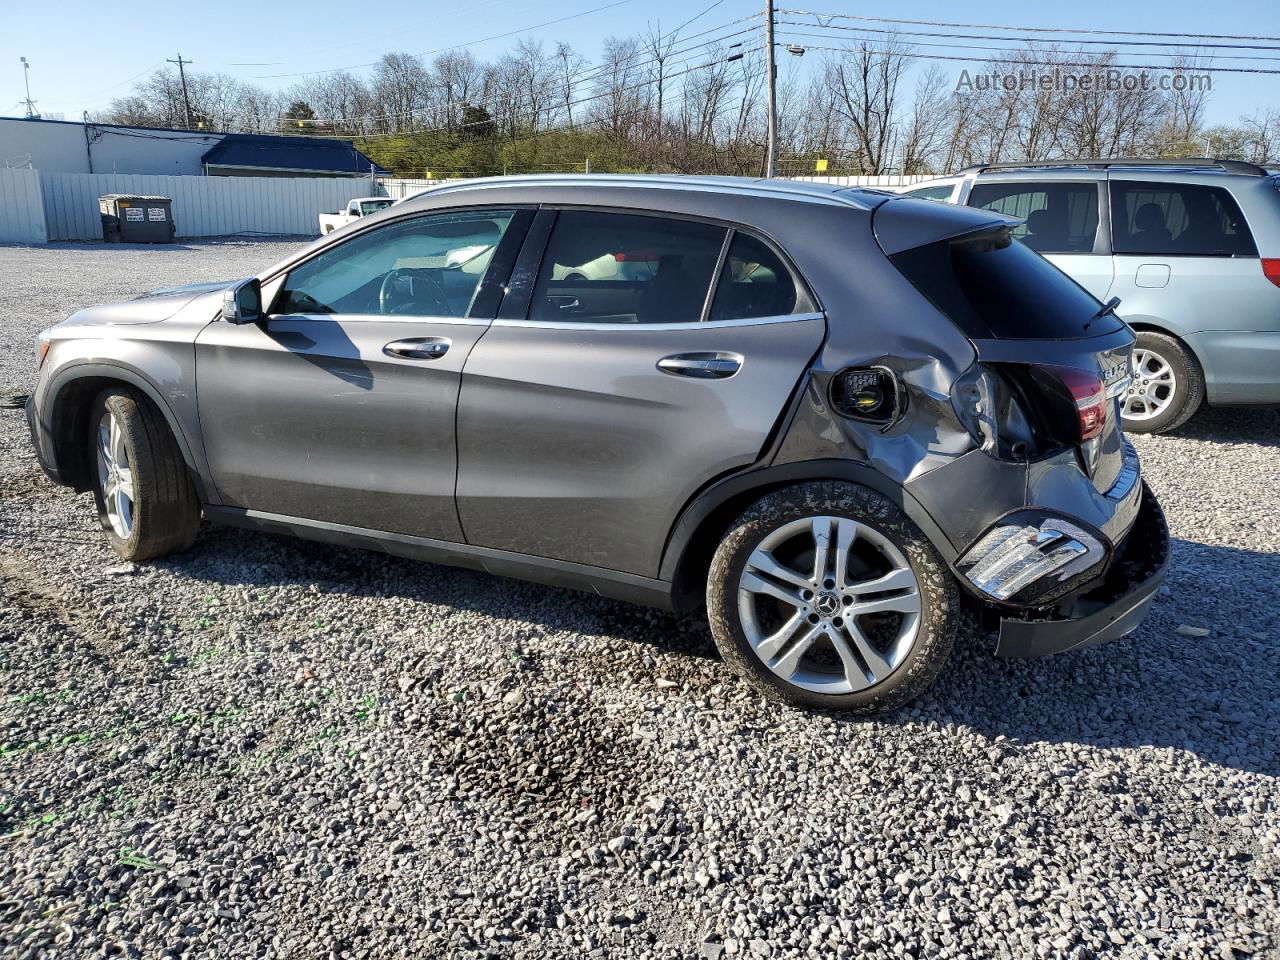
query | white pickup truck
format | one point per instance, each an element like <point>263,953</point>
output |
<point>359,207</point>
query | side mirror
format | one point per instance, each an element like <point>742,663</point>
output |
<point>243,302</point>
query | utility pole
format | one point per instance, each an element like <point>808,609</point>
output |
<point>182,75</point>
<point>771,75</point>
<point>32,112</point>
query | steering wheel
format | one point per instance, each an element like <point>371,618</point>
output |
<point>400,278</point>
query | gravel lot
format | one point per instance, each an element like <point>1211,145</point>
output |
<point>268,748</point>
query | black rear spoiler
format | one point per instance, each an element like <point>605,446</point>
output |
<point>904,223</point>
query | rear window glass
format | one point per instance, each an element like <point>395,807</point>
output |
<point>1058,217</point>
<point>1178,219</point>
<point>993,288</point>
<point>754,282</point>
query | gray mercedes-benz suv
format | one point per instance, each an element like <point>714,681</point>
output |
<point>835,416</point>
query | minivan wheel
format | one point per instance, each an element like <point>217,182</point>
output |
<point>825,594</point>
<point>146,501</point>
<point>1167,387</point>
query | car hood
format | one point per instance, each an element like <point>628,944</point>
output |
<point>148,307</point>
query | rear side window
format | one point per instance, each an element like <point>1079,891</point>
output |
<point>1178,219</point>
<point>754,282</point>
<point>622,268</point>
<point>993,288</point>
<point>1059,217</point>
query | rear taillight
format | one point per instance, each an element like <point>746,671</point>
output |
<point>1271,270</point>
<point>1088,393</point>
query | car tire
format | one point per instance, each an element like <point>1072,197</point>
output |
<point>146,501</point>
<point>1163,357</point>
<point>884,663</point>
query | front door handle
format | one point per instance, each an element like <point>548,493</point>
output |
<point>702,366</point>
<point>418,348</point>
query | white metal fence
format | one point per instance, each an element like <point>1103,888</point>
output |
<point>398,188</point>
<point>21,208</point>
<point>202,206</point>
<point>888,181</point>
<point>38,207</point>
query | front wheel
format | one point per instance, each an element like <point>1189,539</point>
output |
<point>1167,386</point>
<point>826,594</point>
<point>146,501</point>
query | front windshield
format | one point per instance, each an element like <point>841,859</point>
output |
<point>373,206</point>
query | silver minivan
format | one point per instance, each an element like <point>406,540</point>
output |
<point>1191,248</point>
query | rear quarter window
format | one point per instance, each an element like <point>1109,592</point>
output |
<point>1178,219</point>
<point>993,288</point>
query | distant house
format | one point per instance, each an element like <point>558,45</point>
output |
<point>60,146</point>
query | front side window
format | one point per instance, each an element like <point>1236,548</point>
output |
<point>373,206</point>
<point>1059,217</point>
<point>429,266</point>
<point>624,268</point>
<point>754,282</point>
<point>1178,219</point>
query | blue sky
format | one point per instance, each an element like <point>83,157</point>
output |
<point>85,53</point>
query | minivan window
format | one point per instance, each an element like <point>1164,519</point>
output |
<point>1178,219</point>
<point>754,282</point>
<point>993,288</point>
<point>429,266</point>
<point>1059,217</point>
<point>625,268</point>
<point>931,193</point>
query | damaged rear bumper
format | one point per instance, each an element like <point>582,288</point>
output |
<point>1108,610</point>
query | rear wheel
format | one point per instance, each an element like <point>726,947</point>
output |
<point>146,501</point>
<point>1167,387</point>
<point>826,594</point>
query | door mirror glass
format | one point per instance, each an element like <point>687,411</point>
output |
<point>243,302</point>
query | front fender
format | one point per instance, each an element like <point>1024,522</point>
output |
<point>59,410</point>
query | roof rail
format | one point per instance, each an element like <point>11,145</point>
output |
<point>1226,166</point>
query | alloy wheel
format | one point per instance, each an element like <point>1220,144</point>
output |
<point>829,604</point>
<point>115,475</point>
<point>1152,388</point>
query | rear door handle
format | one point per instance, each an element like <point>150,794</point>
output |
<point>564,302</point>
<point>702,366</point>
<point>418,348</point>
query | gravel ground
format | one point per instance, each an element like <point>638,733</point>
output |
<point>268,748</point>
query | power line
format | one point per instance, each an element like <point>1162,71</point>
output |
<point>1074,42</point>
<point>994,26</point>
<point>558,106</point>
<point>580,77</point>
<point>455,46</point>
<point>1047,63</point>
<point>976,46</point>
<point>697,16</point>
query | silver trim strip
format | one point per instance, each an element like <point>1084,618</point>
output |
<point>1127,478</point>
<point>637,327</point>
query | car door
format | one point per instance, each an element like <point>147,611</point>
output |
<point>1062,222</point>
<point>1187,261</point>
<point>339,406</point>
<point>597,405</point>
